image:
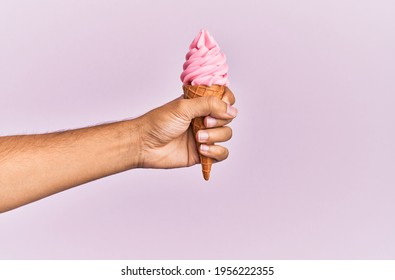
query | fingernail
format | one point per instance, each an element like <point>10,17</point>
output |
<point>231,111</point>
<point>204,148</point>
<point>202,136</point>
<point>211,122</point>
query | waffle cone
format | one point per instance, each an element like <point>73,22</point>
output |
<point>198,123</point>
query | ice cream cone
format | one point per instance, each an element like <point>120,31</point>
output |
<point>198,123</point>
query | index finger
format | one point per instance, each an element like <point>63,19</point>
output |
<point>228,96</point>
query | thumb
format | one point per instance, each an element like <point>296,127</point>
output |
<point>210,106</point>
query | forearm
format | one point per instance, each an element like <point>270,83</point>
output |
<point>35,166</point>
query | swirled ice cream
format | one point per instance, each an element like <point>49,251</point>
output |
<point>205,63</point>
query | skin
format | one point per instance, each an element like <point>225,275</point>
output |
<point>35,166</point>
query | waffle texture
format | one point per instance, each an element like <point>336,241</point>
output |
<point>198,123</point>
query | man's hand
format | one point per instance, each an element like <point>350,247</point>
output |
<point>168,141</point>
<point>36,166</point>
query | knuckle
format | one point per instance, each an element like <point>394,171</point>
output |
<point>230,132</point>
<point>183,108</point>
<point>230,96</point>
<point>180,104</point>
<point>176,105</point>
<point>211,101</point>
<point>226,154</point>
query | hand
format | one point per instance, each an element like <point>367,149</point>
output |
<point>38,165</point>
<point>168,141</point>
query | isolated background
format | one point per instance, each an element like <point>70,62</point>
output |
<point>311,171</point>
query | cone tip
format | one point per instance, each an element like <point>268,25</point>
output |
<point>206,175</point>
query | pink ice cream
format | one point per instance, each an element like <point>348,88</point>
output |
<point>205,64</point>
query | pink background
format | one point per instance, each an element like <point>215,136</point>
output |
<point>311,171</point>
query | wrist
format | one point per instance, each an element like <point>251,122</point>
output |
<point>130,144</point>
